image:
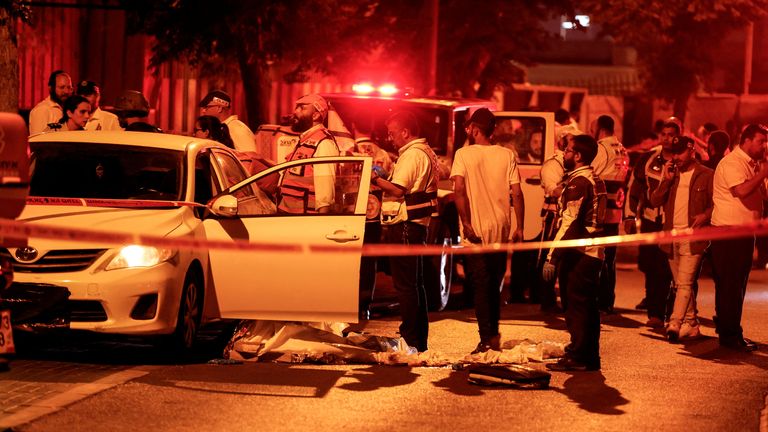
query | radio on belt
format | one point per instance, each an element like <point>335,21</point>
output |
<point>14,168</point>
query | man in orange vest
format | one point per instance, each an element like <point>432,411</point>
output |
<point>309,188</point>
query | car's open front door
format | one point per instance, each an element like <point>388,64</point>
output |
<point>306,266</point>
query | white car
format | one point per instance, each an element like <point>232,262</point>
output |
<point>159,185</point>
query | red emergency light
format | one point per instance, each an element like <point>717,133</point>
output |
<point>367,88</point>
<point>363,88</point>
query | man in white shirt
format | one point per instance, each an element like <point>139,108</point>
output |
<point>484,176</point>
<point>738,193</point>
<point>49,110</point>
<point>99,120</point>
<point>219,104</point>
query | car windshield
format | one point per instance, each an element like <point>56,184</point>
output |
<point>88,170</point>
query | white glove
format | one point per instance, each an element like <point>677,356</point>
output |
<point>548,271</point>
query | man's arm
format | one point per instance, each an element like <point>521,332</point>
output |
<point>748,187</point>
<point>518,202</point>
<point>462,205</point>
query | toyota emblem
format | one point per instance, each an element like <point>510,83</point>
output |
<point>26,254</point>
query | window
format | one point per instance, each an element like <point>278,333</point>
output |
<point>523,135</point>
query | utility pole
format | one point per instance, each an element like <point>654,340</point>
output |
<point>434,6</point>
<point>748,48</point>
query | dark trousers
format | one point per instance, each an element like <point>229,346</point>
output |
<point>486,274</point>
<point>408,279</point>
<point>731,264</point>
<point>368,267</point>
<point>607,294</point>
<point>658,276</point>
<point>580,275</point>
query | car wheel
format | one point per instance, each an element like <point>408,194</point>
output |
<point>190,312</point>
<point>438,269</point>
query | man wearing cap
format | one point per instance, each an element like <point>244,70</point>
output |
<point>133,112</point>
<point>309,189</point>
<point>484,175</point>
<point>99,120</point>
<point>685,193</point>
<point>739,189</point>
<point>582,207</point>
<point>652,261</point>
<point>219,104</point>
<point>552,180</point>
<point>611,164</point>
<point>49,110</point>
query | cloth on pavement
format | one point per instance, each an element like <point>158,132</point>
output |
<point>325,343</point>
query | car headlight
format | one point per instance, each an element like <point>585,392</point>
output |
<point>139,256</point>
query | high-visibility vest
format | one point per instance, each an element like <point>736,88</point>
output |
<point>297,189</point>
<point>614,174</point>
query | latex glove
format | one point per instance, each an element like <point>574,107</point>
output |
<point>381,172</point>
<point>548,272</point>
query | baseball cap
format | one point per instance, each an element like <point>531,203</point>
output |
<point>483,118</point>
<point>216,97</point>
<point>86,88</point>
<point>680,144</point>
<point>317,101</point>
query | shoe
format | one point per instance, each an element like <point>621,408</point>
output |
<point>5,365</point>
<point>643,305</point>
<point>567,364</point>
<point>551,310</point>
<point>743,344</point>
<point>493,343</point>
<point>654,322</point>
<point>673,331</point>
<point>689,331</point>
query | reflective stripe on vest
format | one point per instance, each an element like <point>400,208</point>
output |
<point>423,204</point>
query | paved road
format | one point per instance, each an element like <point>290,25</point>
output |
<point>646,383</point>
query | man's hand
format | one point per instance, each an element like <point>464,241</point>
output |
<point>517,236</point>
<point>470,235</point>
<point>700,220</point>
<point>669,171</point>
<point>548,272</point>
<point>629,226</point>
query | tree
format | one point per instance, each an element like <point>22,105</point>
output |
<point>674,38</point>
<point>480,40</point>
<point>252,39</point>
<point>10,12</point>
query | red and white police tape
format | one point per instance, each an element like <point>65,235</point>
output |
<point>19,230</point>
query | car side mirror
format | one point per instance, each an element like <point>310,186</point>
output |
<point>225,205</point>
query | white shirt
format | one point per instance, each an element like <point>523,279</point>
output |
<point>488,171</point>
<point>102,120</point>
<point>611,161</point>
<point>552,172</point>
<point>414,171</point>
<point>241,134</point>
<point>680,217</point>
<point>733,170</point>
<point>47,111</point>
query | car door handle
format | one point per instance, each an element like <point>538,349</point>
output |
<point>342,236</point>
<point>533,181</point>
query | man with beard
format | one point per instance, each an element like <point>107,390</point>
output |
<point>219,104</point>
<point>652,261</point>
<point>582,204</point>
<point>739,188</point>
<point>99,120</point>
<point>50,110</point>
<point>309,189</point>
<point>484,176</point>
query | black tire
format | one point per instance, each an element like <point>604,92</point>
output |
<point>438,269</point>
<point>190,313</point>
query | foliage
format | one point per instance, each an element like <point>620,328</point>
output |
<point>674,38</point>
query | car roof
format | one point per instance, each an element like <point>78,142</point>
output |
<point>419,100</point>
<point>140,139</point>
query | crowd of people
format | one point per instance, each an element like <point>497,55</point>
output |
<point>591,190</point>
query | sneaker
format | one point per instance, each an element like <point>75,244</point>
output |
<point>643,305</point>
<point>654,322</point>
<point>567,364</point>
<point>739,344</point>
<point>493,343</point>
<point>673,331</point>
<point>689,331</point>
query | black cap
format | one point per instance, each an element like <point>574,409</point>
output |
<point>680,144</point>
<point>86,88</point>
<point>216,97</point>
<point>482,118</point>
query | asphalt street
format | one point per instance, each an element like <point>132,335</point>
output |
<point>646,383</point>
